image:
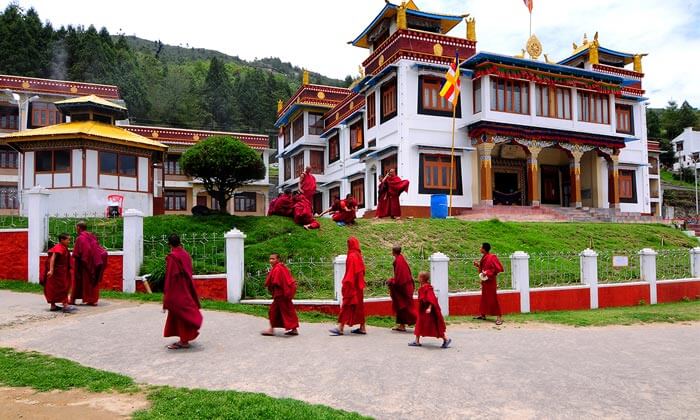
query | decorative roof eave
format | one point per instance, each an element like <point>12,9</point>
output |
<point>339,114</point>
<point>181,136</point>
<point>84,136</point>
<point>350,115</point>
<point>312,95</point>
<point>290,112</point>
<point>485,129</point>
<point>556,69</point>
<point>92,102</point>
<point>447,22</point>
<point>57,87</point>
<point>627,57</point>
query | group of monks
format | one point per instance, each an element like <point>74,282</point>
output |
<point>298,204</point>
<point>63,285</point>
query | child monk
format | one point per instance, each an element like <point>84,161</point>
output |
<point>282,287</point>
<point>430,321</point>
<point>352,310</point>
<point>57,278</point>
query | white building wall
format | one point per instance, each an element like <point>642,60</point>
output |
<point>77,167</point>
<point>91,165</point>
<point>143,171</point>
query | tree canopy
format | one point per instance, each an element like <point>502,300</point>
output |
<point>224,164</point>
<point>667,123</point>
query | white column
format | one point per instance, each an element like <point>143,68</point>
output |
<point>589,273</point>
<point>235,271</point>
<point>37,202</point>
<point>133,249</point>
<point>338,274</point>
<point>647,271</point>
<point>695,262</point>
<point>520,278</point>
<point>439,276</point>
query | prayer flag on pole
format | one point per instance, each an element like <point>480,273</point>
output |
<point>451,88</point>
<point>528,4</point>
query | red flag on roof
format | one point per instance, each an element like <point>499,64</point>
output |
<point>528,4</point>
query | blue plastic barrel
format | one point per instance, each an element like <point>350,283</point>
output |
<point>438,206</point>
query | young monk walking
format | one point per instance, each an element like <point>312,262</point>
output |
<point>90,262</point>
<point>282,287</point>
<point>352,311</point>
<point>430,321</point>
<point>179,297</point>
<point>56,279</point>
<point>489,266</point>
<point>401,291</point>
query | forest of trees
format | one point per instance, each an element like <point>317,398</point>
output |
<point>667,123</point>
<point>161,84</point>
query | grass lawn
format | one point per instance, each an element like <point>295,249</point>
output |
<point>45,373</point>
<point>667,178</point>
<point>667,312</point>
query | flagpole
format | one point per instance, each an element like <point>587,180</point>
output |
<point>452,151</point>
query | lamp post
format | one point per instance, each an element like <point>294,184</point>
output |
<point>695,172</point>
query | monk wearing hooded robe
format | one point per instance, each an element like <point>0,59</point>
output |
<point>90,262</point>
<point>282,287</point>
<point>56,279</point>
<point>401,289</point>
<point>489,266</point>
<point>430,321</point>
<point>180,297</point>
<point>390,188</point>
<point>352,311</point>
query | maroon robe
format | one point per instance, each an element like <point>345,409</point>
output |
<point>303,214</point>
<point>489,297</point>
<point>180,298</point>
<point>90,263</point>
<point>57,286</point>
<point>352,311</point>
<point>432,324</point>
<point>271,209</point>
<point>282,287</point>
<point>389,191</point>
<point>401,289</point>
<point>307,186</point>
<point>283,206</point>
<point>345,213</point>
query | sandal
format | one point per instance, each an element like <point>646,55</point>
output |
<point>358,331</point>
<point>499,322</point>
<point>481,317</point>
<point>291,332</point>
<point>55,309</point>
<point>335,332</point>
<point>267,334</point>
<point>398,329</point>
<point>178,346</point>
<point>414,344</point>
<point>447,343</point>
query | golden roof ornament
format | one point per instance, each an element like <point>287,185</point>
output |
<point>534,47</point>
<point>280,104</point>
<point>305,78</point>
<point>401,20</point>
<point>637,62</point>
<point>471,29</point>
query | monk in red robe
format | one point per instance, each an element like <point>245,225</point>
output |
<point>307,185</point>
<point>56,279</point>
<point>349,211</point>
<point>401,291</point>
<point>303,214</point>
<point>284,205</point>
<point>272,207</point>
<point>390,188</point>
<point>333,209</point>
<point>430,321</point>
<point>90,263</point>
<point>179,297</point>
<point>282,287</point>
<point>489,267</point>
<point>352,311</point>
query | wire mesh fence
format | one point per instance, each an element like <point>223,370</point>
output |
<point>673,264</point>
<point>464,277</point>
<point>109,231</point>
<point>13,222</point>
<point>554,269</point>
<point>314,279</point>
<point>618,266</point>
<point>208,251</point>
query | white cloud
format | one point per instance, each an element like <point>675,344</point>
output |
<point>313,33</point>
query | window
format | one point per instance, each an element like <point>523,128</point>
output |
<point>679,146</point>
<point>429,100</point>
<point>108,163</point>
<point>357,140</point>
<point>628,186</point>
<point>553,102</point>
<point>8,118</point>
<point>287,136</point>
<point>476,85</point>
<point>593,107</point>
<point>8,198</point>
<point>357,189</point>
<point>510,96</point>
<point>333,193</point>
<point>287,168</point>
<point>8,159</point>
<point>215,204</point>
<point>172,165</point>
<point>315,124</point>
<point>434,174</point>
<point>623,118</point>
<point>52,161</point>
<point>371,110</point>
<point>316,161</point>
<point>44,114</point>
<point>298,164</point>
<point>388,106</point>
<point>127,165</point>
<point>388,163</point>
<point>245,202</point>
<point>298,128</point>
<point>333,149</point>
<point>175,200</point>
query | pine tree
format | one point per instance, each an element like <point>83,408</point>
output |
<point>218,97</point>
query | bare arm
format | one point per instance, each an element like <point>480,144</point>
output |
<point>52,262</point>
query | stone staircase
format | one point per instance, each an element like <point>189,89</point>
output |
<point>604,215</point>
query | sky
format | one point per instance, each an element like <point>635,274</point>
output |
<point>314,33</point>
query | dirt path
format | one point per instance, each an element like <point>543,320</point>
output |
<point>517,372</point>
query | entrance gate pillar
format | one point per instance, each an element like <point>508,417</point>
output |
<point>575,172</point>
<point>485,173</point>
<point>533,177</point>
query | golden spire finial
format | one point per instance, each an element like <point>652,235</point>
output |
<point>401,22</point>
<point>585,39</point>
<point>280,104</point>
<point>593,53</point>
<point>471,29</point>
<point>638,62</point>
<point>305,78</point>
